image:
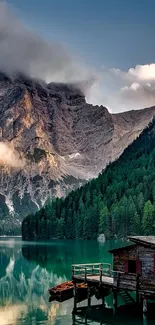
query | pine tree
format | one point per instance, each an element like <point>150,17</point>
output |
<point>148,219</point>
<point>60,228</point>
<point>104,227</point>
<point>136,224</point>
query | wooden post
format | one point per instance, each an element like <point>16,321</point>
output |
<point>118,279</point>
<point>145,311</point>
<point>85,275</point>
<point>103,302</point>
<point>144,305</point>
<point>101,272</point>
<point>114,301</point>
<point>74,294</point>
<point>89,298</point>
<point>145,322</point>
<point>73,319</point>
<point>109,270</point>
<point>137,289</point>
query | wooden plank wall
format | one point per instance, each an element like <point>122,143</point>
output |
<point>123,255</point>
<point>146,257</point>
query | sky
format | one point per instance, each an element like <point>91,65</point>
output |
<point>112,39</point>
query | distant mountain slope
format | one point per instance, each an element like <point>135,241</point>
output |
<point>121,201</point>
<point>52,141</point>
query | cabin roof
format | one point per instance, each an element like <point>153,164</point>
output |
<point>128,246</point>
<point>145,240</point>
<point>142,240</point>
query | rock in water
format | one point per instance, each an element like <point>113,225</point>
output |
<point>52,141</point>
<point>101,238</point>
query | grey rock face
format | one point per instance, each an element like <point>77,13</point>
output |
<point>60,140</point>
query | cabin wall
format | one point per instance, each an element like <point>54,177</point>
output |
<point>123,255</point>
<point>145,259</point>
<point>146,256</point>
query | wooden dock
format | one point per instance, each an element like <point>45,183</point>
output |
<point>106,281</point>
<point>97,273</point>
<point>102,274</point>
<point>133,271</point>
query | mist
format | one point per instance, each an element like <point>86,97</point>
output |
<point>22,51</point>
<point>9,157</point>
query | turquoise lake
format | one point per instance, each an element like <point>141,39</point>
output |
<point>28,270</point>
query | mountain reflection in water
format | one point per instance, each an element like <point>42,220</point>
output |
<point>28,270</point>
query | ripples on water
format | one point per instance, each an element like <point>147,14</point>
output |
<point>28,270</point>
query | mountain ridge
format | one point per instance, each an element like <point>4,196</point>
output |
<point>119,203</point>
<point>59,141</point>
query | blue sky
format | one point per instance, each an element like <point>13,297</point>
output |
<point>113,37</point>
<point>113,33</point>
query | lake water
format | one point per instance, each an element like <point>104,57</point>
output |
<point>28,270</point>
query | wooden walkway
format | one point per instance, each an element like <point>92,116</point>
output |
<point>104,281</point>
<point>96,273</point>
<point>101,274</point>
<point>96,278</point>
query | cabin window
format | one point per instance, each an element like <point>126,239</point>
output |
<point>132,266</point>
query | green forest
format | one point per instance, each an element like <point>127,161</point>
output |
<point>120,202</point>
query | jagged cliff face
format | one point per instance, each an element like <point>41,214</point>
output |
<point>56,141</point>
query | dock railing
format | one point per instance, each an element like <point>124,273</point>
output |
<point>102,271</point>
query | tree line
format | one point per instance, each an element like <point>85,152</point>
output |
<point>120,202</point>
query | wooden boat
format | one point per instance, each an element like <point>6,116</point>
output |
<point>65,291</point>
<point>62,291</point>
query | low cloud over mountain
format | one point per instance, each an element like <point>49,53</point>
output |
<point>123,90</point>
<point>22,50</point>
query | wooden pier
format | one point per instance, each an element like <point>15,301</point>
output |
<point>105,281</point>
<point>133,271</point>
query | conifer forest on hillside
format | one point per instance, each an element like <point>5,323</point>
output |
<point>120,202</point>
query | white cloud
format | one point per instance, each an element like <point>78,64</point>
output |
<point>139,96</point>
<point>125,90</point>
<point>23,51</point>
<point>143,72</point>
<point>9,157</point>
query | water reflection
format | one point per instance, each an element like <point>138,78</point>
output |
<point>60,255</point>
<point>24,284</point>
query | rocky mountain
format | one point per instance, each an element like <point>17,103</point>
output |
<point>118,203</point>
<point>52,141</point>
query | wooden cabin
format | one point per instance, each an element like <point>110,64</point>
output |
<point>135,265</point>
<point>133,271</point>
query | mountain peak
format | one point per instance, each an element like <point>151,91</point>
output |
<point>62,140</point>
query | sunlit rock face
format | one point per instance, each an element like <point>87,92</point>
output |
<point>52,141</point>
